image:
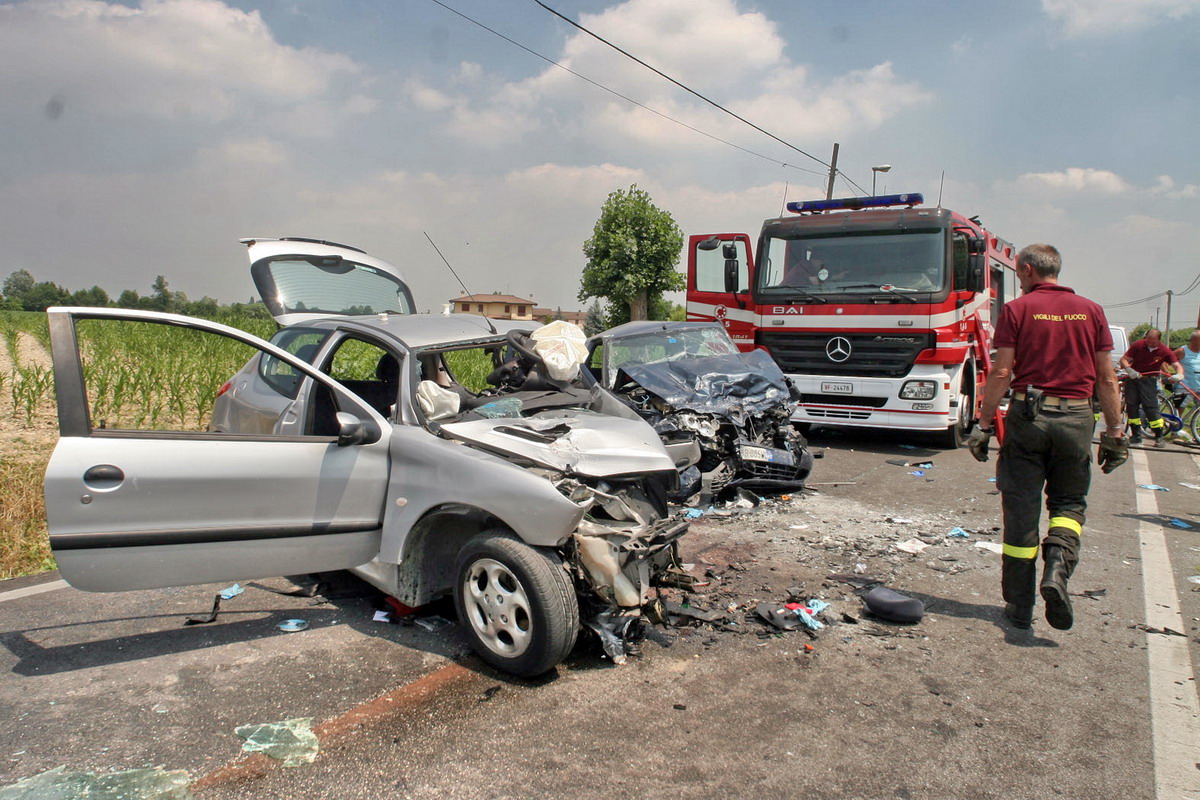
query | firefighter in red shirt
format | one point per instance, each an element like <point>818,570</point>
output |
<point>1053,347</point>
<point>1143,362</point>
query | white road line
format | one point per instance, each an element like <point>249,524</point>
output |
<point>1174,712</point>
<point>28,590</point>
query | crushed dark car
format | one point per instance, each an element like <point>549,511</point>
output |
<point>724,415</point>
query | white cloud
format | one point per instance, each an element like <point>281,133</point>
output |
<point>1166,186</point>
<point>1076,179</point>
<point>196,59</point>
<point>1103,17</point>
<point>736,58</point>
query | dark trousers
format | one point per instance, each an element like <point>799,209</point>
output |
<point>1141,403</point>
<point>1051,452</point>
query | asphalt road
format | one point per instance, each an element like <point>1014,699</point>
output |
<point>957,706</point>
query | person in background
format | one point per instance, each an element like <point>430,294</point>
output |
<point>1143,362</point>
<point>1189,359</point>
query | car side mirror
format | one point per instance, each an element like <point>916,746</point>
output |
<point>351,430</point>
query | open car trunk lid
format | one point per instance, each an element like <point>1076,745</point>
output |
<point>302,279</point>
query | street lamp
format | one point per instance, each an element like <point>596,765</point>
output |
<point>875,172</point>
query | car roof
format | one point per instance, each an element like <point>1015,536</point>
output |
<point>650,325</point>
<point>419,331</point>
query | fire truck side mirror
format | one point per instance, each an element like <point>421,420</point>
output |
<point>976,267</point>
<point>976,245</point>
<point>731,275</point>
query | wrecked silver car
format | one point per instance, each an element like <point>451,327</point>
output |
<point>690,381</point>
<point>429,454</point>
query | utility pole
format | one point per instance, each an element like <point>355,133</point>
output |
<point>832,172</point>
<point>1167,332</point>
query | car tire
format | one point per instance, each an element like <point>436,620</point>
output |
<point>516,603</point>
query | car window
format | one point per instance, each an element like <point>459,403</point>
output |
<point>366,368</point>
<point>154,377</point>
<point>301,342</point>
<point>470,368</point>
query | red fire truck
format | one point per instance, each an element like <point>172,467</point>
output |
<point>879,309</point>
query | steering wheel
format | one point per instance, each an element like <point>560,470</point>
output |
<point>517,340</point>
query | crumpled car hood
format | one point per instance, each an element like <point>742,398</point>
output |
<point>729,385</point>
<point>574,441</point>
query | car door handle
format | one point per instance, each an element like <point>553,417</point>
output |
<point>103,476</point>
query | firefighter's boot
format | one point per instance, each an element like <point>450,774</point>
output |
<point>1020,616</point>
<point>1055,573</point>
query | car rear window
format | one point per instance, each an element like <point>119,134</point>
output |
<point>300,342</point>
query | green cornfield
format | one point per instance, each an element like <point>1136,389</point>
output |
<point>138,375</point>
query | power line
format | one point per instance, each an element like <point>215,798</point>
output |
<point>615,93</point>
<point>692,91</point>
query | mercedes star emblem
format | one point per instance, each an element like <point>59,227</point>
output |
<point>837,349</point>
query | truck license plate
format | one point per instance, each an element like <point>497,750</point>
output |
<point>837,388</point>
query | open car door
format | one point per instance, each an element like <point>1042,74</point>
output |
<point>140,495</point>
<point>719,280</point>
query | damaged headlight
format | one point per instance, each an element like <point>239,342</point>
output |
<point>702,424</point>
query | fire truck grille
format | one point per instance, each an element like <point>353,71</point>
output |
<point>843,400</point>
<point>878,355</point>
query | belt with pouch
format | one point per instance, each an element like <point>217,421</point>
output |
<point>1061,403</point>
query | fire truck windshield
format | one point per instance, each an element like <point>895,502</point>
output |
<point>860,262</point>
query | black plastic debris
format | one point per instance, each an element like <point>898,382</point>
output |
<point>779,617</point>
<point>489,693</point>
<point>893,606</point>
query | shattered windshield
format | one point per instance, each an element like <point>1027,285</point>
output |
<point>667,345</point>
<point>855,263</point>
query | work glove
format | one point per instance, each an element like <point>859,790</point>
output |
<point>1132,373</point>
<point>977,443</point>
<point>1175,378</point>
<point>1113,452</point>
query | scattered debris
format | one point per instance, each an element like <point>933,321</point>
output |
<point>1193,578</point>
<point>293,625</point>
<point>991,547</point>
<point>230,592</point>
<point>382,616</point>
<point>433,622</point>
<point>861,581</point>
<point>1178,523</point>
<point>132,784</point>
<point>958,533</point>
<point>914,546</point>
<point>291,741</point>
<point>489,693</point>
<point>920,473</point>
<point>1154,487</point>
<point>1190,485</point>
<point>1163,630</point>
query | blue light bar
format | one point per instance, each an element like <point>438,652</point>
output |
<point>854,203</point>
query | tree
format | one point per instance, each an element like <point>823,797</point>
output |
<point>129,298</point>
<point>597,320</point>
<point>18,284</point>
<point>632,253</point>
<point>43,295</point>
<point>94,296</point>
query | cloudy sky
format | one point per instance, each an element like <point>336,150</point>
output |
<point>148,137</point>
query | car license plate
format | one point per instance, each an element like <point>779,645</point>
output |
<point>750,452</point>
<point>837,388</point>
